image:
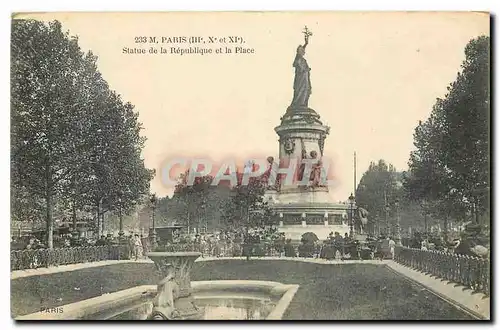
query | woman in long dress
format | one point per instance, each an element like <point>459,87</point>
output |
<point>302,82</point>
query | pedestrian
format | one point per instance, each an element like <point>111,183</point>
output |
<point>137,246</point>
<point>130,245</point>
<point>424,245</point>
<point>386,248</point>
<point>392,246</point>
<point>101,241</point>
<point>380,248</point>
<point>289,249</point>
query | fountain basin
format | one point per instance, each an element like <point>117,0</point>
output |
<point>219,300</point>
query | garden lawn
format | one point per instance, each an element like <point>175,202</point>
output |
<point>326,292</point>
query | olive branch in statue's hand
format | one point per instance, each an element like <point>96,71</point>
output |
<point>307,34</point>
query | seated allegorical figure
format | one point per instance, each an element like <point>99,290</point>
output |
<point>315,175</point>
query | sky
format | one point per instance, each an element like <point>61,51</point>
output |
<point>374,76</point>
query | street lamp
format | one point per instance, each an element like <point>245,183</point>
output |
<point>153,201</point>
<point>351,215</point>
<point>120,233</point>
<point>397,233</point>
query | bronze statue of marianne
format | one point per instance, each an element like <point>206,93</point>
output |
<point>302,82</point>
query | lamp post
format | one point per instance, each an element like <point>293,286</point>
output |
<point>120,233</point>
<point>351,215</point>
<point>397,233</point>
<point>153,201</point>
<point>387,209</point>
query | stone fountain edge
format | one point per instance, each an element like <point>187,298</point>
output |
<point>84,308</point>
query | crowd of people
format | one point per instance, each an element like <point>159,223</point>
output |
<point>337,246</point>
<point>264,241</point>
<point>258,241</point>
<point>268,241</point>
<point>235,242</point>
<point>136,244</point>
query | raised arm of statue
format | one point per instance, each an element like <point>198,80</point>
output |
<point>307,34</point>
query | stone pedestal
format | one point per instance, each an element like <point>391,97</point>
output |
<point>304,208</point>
<point>300,130</point>
<point>174,300</point>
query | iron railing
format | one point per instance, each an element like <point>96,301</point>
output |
<point>471,272</point>
<point>42,258</point>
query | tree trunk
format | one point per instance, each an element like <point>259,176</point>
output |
<point>476,220</point>
<point>98,223</point>
<point>241,214</point>
<point>100,219</point>
<point>50,223</point>
<point>445,233</point>
<point>247,216</point>
<point>103,218</point>
<point>73,209</point>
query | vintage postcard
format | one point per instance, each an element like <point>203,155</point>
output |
<point>250,166</point>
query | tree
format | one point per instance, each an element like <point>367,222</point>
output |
<point>203,205</point>
<point>449,170</point>
<point>25,206</point>
<point>377,188</point>
<point>426,183</point>
<point>247,206</point>
<point>74,142</point>
<point>466,114</point>
<point>47,140</point>
<point>192,200</point>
